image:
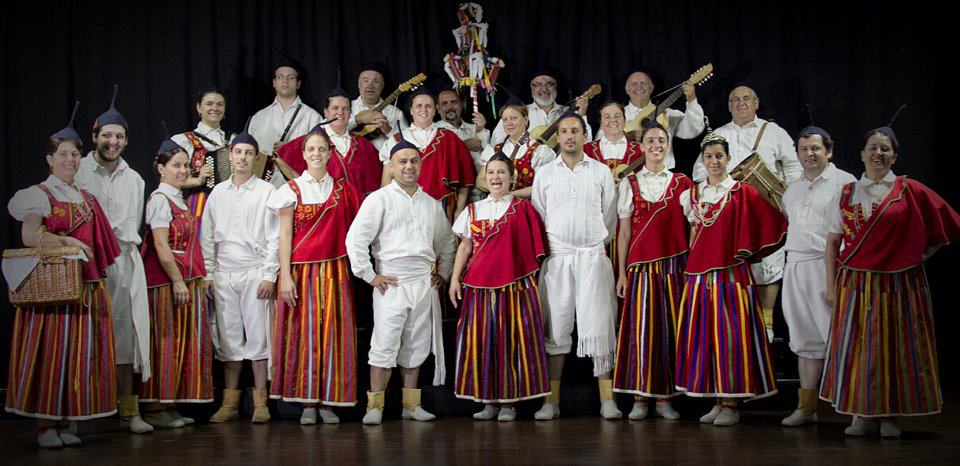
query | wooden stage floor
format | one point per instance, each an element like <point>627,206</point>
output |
<point>580,439</point>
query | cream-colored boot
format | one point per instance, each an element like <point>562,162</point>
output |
<point>551,404</point>
<point>806,411</point>
<point>374,414</point>
<point>412,408</point>
<point>608,407</point>
<point>229,410</point>
<point>130,414</point>
<point>261,413</point>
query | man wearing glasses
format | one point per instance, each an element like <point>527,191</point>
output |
<point>775,148</point>
<point>287,118</point>
<point>544,110</point>
<point>685,125</point>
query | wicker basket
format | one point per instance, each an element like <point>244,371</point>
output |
<point>55,280</point>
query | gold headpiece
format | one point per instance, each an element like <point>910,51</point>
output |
<point>712,138</point>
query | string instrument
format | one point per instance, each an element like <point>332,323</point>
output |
<point>650,114</point>
<point>623,170</point>
<point>547,135</point>
<point>372,131</point>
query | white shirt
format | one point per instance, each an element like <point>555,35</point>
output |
<point>775,146</point>
<point>684,125</point>
<point>652,187</point>
<point>406,233</point>
<point>268,124</point>
<point>541,155</point>
<point>538,117</point>
<point>120,194</point>
<point>612,149</point>
<point>868,194</point>
<point>390,112</point>
<point>215,135</point>
<point>809,207</point>
<point>239,231</point>
<point>342,143</point>
<point>420,137</point>
<point>312,191</point>
<point>708,195</point>
<point>579,206</point>
<point>33,200</point>
<point>468,131</point>
<point>486,209</point>
<point>158,208</point>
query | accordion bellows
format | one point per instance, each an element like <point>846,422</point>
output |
<point>55,280</point>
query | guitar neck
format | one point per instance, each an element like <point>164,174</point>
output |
<point>633,166</point>
<point>388,101</point>
<point>669,100</point>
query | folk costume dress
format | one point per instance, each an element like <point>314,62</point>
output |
<point>722,348</point>
<point>610,154</point>
<point>62,357</point>
<point>530,156</point>
<point>314,343</point>
<point>199,144</point>
<point>646,343</point>
<point>882,353</point>
<point>180,343</point>
<point>501,355</point>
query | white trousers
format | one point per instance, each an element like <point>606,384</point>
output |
<point>127,284</point>
<point>805,307</point>
<point>770,269</point>
<point>577,286</point>
<point>242,321</point>
<point>406,321</point>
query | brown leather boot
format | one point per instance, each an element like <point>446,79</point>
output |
<point>229,410</point>
<point>261,413</point>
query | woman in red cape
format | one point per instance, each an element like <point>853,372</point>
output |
<point>61,356</point>
<point>882,354</point>
<point>653,254</point>
<point>722,349</point>
<point>501,357</point>
<point>315,335</point>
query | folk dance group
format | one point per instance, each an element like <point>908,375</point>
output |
<point>533,263</point>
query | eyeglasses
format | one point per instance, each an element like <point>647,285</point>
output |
<point>285,77</point>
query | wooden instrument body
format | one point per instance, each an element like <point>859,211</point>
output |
<point>547,135</point>
<point>372,131</point>
<point>648,114</point>
<point>754,172</point>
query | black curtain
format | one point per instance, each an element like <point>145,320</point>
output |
<point>854,65</point>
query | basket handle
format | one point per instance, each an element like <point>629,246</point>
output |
<point>40,232</point>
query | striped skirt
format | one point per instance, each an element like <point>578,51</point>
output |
<point>181,350</point>
<point>195,204</point>
<point>61,359</point>
<point>648,325</point>
<point>315,343</point>
<point>882,354</point>
<point>501,357</point>
<point>722,348</point>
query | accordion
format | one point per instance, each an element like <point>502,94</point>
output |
<point>219,159</point>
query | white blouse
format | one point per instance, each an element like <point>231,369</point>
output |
<point>159,214</point>
<point>312,191</point>
<point>542,155</point>
<point>708,195</point>
<point>420,137</point>
<point>215,135</point>
<point>652,187</point>
<point>33,200</point>
<point>486,209</point>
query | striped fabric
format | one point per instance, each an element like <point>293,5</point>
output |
<point>61,360</point>
<point>722,346</point>
<point>195,204</point>
<point>882,353</point>
<point>648,325</point>
<point>315,344</point>
<point>501,357</point>
<point>180,347</point>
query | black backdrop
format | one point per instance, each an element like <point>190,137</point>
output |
<point>854,64</point>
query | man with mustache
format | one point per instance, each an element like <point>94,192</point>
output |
<point>119,190</point>
<point>287,110</point>
<point>577,198</point>
<point>240,242</point>
<point>775,148</point>
<point>544,110</point>
<point>406,230</point>
<point>370,83</point>
<point>685,125</point>
<point>474,134</point>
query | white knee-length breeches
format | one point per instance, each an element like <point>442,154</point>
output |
<point>405,321</point>
<point>242,320</point>
<point>805,307</point>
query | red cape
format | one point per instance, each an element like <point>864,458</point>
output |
<point>747,229</point>
<point>631,155</point>
<point>446,165</point>
<point>320,230</point>
<point>510,250</point>
<point>66,220</point>
<point>900,229</point>
<point>658,229</point>
<point>361,165</point>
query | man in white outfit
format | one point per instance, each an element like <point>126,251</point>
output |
<point>240,241</point>
<point>808,204</point>
<point>119,190</point>
<point>577,198</point>
<point>407,231</point>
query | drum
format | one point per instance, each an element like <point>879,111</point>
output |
<point>754,172</point>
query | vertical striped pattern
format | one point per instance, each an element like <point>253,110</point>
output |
<point>648,325</point>
<point>61,360</point>
<point>721,343</point>
<point>315,344</point>
<point>180,347</point>
<point>882,354</point>
<point>501,357</point>
<point>195,203</point>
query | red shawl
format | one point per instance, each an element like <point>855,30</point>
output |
<point>507,249</point>
<point>658,229</point>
